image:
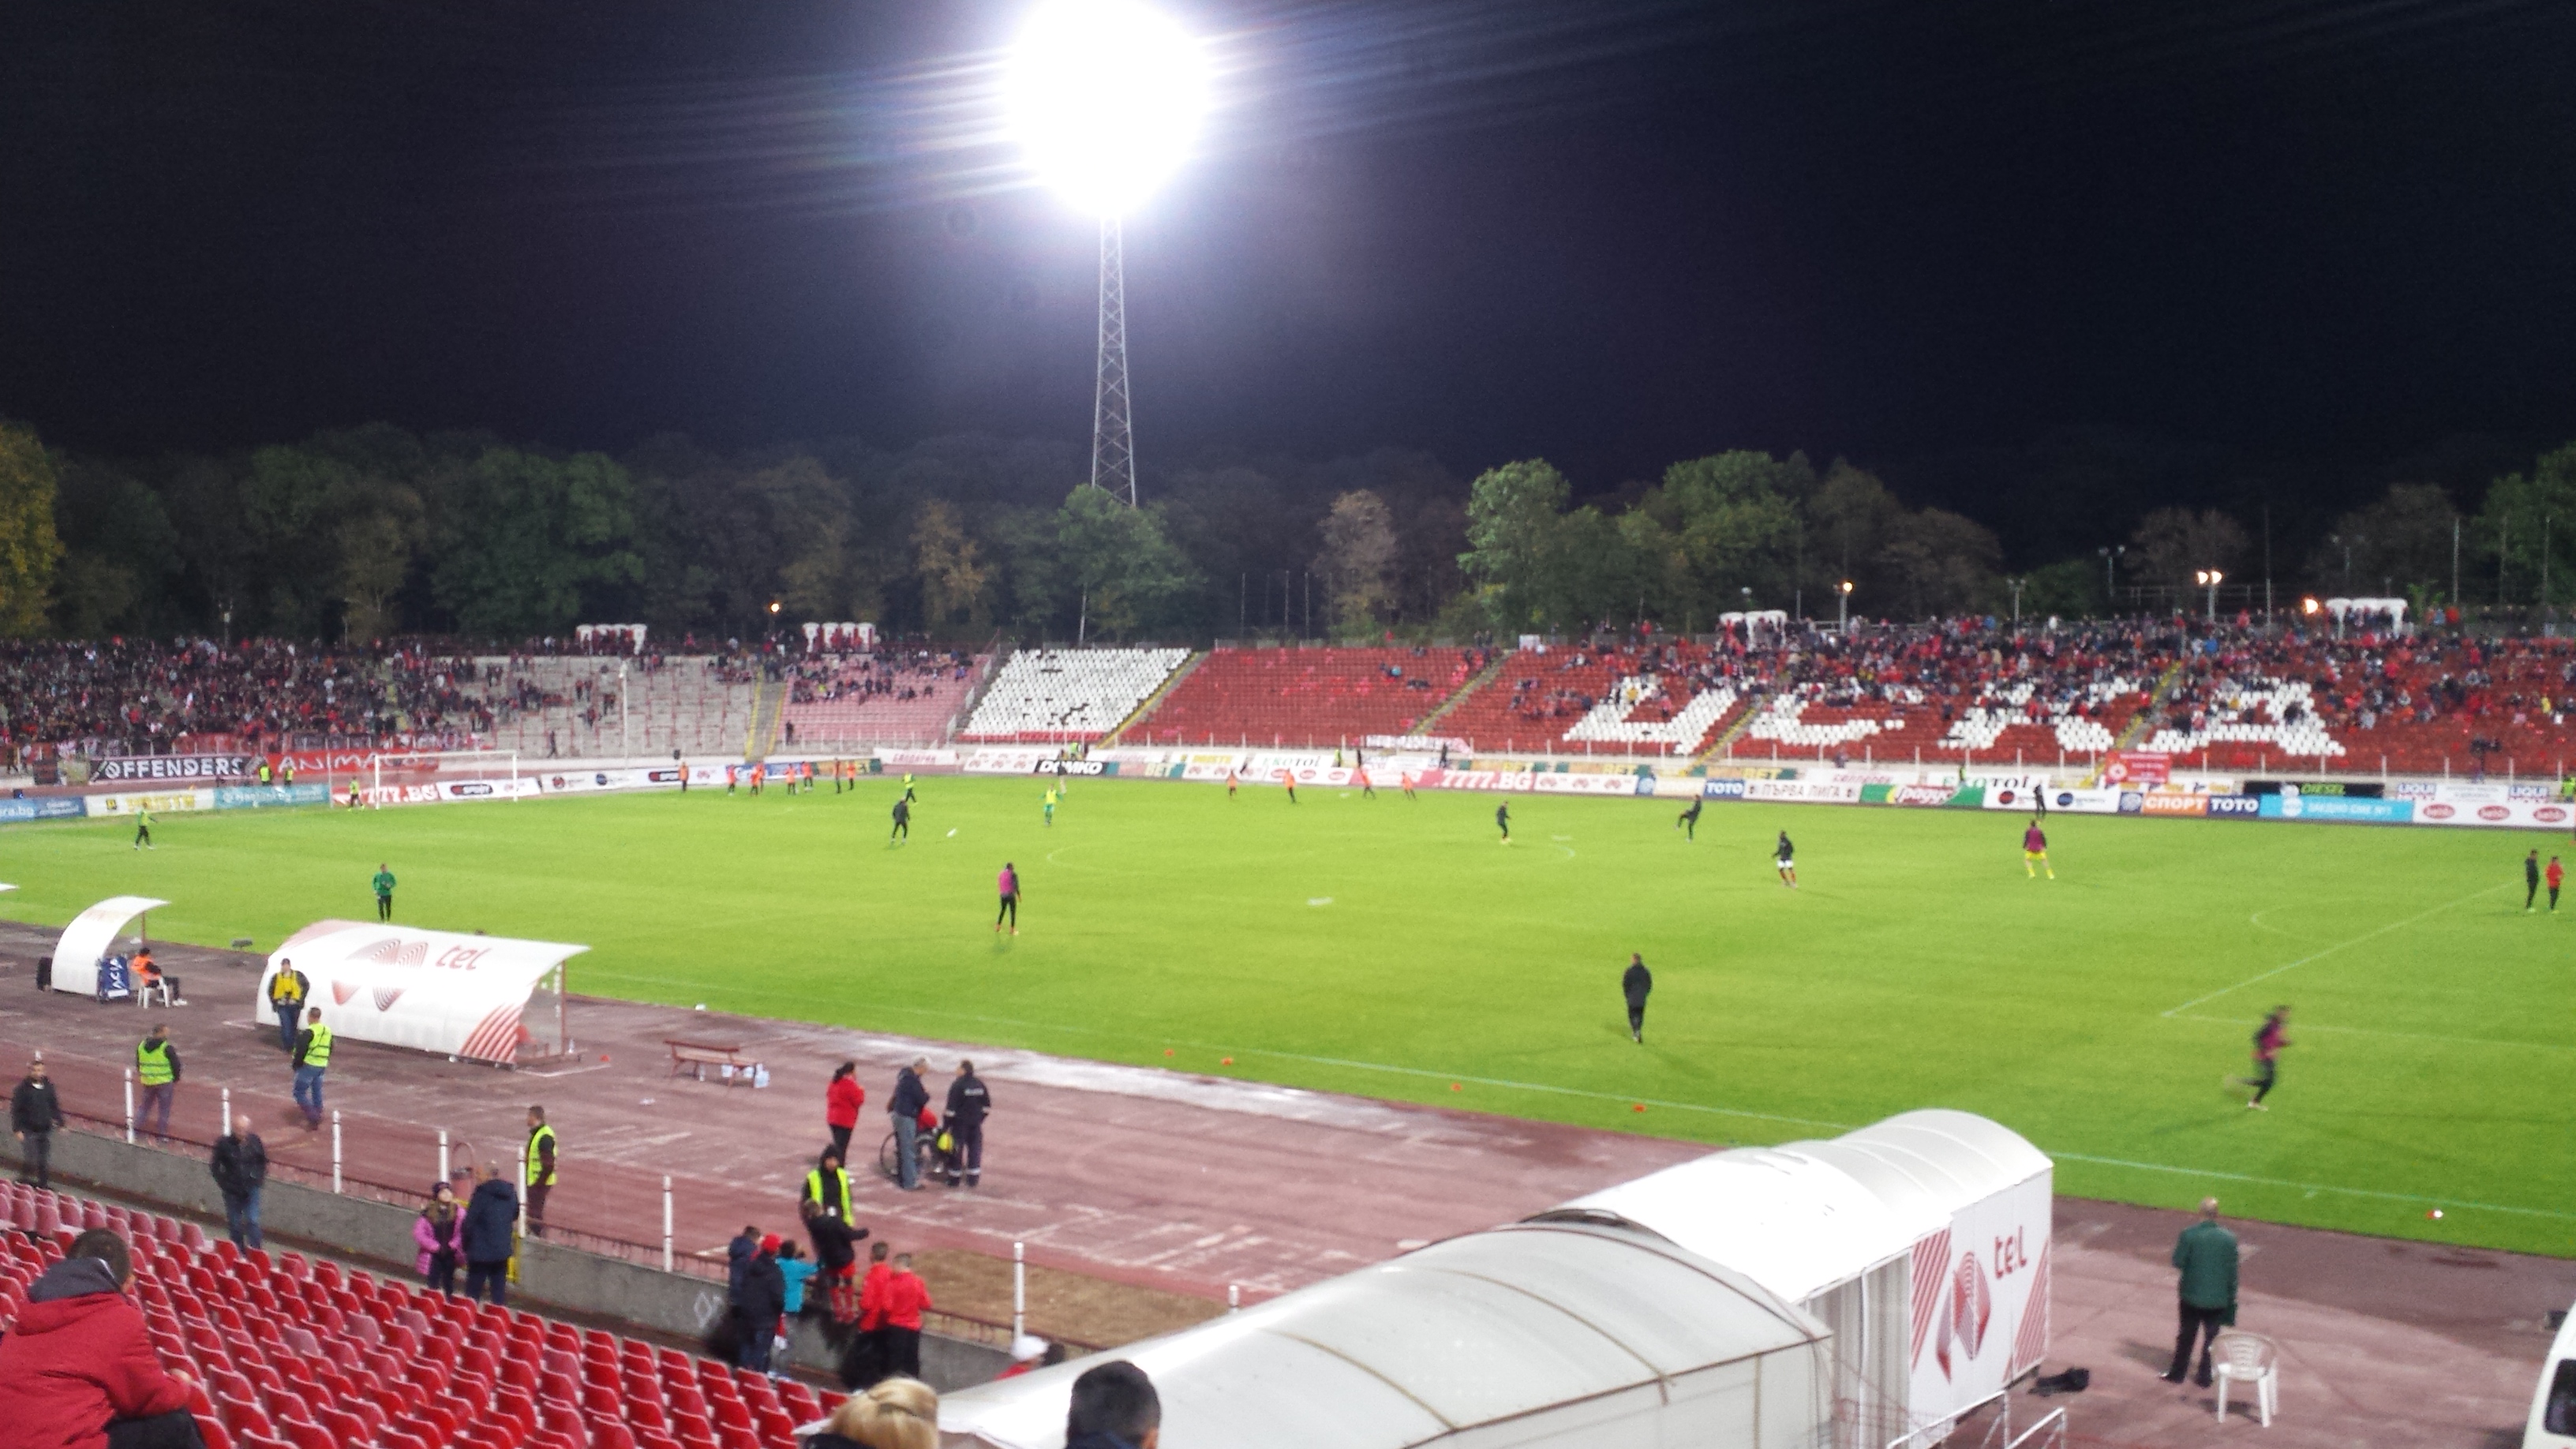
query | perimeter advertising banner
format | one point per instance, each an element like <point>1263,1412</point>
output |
<point>122,769</point>
<point>2296,805</point>
<point>49,807</point>
<point>158,802</point>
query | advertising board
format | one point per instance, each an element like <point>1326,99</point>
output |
<point>1726,787</point>
<point>2137,767</point>
<point>1004,760</point>
<point>159,802</point>
<point>2289,805</point>
<point>43,807</point>
<point>2162,802</point>
<point>917,759</point>
<point>1810,792</point>
<point>2235,807</point>
<point>269,797</point>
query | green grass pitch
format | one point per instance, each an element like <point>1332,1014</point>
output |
<point>1392,947</point>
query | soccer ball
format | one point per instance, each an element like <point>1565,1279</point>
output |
<point>952,832</point>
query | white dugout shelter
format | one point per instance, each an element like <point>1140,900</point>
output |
<point>490,999</point>
<point>1922,1242</point>
<point>92,936</point>
<point>1582,1335</point>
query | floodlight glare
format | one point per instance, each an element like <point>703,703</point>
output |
<point>1105,97</point>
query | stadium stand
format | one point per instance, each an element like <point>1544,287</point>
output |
<point>1048,695</point>
<point>1659,699</point>
<point>910,698</point>
<point>291,1354</point>
<point>1306,697</point>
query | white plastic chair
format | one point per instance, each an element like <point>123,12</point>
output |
<point>2249,1358</point>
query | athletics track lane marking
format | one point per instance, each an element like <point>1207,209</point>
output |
<point>2330,950</point>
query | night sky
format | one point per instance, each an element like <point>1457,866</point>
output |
<point>2314,239</point>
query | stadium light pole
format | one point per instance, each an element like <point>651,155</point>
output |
<point>1842,607</point>
<point>1105,97</point>
<point>2209,579</point>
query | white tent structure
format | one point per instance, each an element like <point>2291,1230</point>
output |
<point>89,938</point>
<point>1580,1335</point>
<point>1922,1242</point>
<point>480,998</point>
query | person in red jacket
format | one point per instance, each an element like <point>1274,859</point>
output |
<point>841,1103</point>
<point>78,1362</point>
<point>903,1298</point>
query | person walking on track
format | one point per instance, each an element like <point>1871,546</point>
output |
<point>156,1067</point>
<point>35,1110</point>
<point>541,1169</point>
<point>286,993</point>
<point>1008,884</point>
<point>384,884</point>
<point>841,1103</point>
<point>1635,983</point>
<point>2206,1254</point>
<point>968,1100</point>
<point>312,1059</point>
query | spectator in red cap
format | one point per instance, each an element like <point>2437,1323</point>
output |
<point>78,1362</point>
<point>758,1301</point>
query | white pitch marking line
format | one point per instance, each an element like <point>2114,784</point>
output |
<point>2330,950</point>
<point>2314,1187</point>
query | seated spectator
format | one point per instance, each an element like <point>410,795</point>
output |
<point>77,1369</point>
<point>896,1413</point>
<point>1114,1407</point>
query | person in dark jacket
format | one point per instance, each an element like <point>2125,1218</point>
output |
<point>910,1096</point>
<point>34,1112</point>
<point>240,1167</point>
<point>1114,1406</point>
<point>286,993</point>
<point>491,1223</point>
<point>2206,1254</point>
<point>1635,983</point>
<point>77,1368</point>
<point>759,1297</point>
<point>968,1100</point>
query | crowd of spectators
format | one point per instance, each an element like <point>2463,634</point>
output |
<point>884,674</point>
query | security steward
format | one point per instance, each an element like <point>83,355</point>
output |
<point>828,1186</point>
<point>312,1059</point>
<point>156,1066</point>
<point>541,1169</point>
<point>968,1100</point>
<point>266,777</point>
<point>286,993</point>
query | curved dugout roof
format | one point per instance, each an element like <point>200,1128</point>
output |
<point>1805,1216</point>
<point>1477,1331</point>
<point>88,937</point>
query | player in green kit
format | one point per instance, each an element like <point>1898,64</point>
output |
<point>1050,805</point>
<point>143,830</point>
<point>384,884</point>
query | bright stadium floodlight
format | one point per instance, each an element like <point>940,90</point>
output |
<point>1105,97</point>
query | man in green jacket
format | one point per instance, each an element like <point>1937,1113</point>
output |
<point>2206,1254</point>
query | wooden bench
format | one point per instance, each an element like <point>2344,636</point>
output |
<point>695,1057</point>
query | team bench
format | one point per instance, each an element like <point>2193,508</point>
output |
<point>694,1057</point>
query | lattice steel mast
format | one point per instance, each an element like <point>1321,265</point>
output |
<point>1113,448</point>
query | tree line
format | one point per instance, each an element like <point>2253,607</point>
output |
<point>371,532</point>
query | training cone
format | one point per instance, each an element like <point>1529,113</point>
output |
<point>1226,1062</point>
<point>1640,1107</point>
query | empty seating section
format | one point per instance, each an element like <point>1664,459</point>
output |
<point>576,705</point>
<point>1048,695</point>
<point>288,1354</point>
<point>1653,699</point>
<point>906,699</point>
<point>1303,696</point>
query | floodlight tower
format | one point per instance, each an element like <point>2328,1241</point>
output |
<point>1105,97</point>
